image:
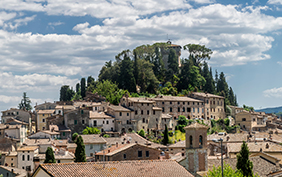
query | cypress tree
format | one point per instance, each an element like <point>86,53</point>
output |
<point>165,140</point>
<point>77,88</point>
<point>49,156</point>
<point>173,62</point>
<point>80,150</point>
<point>243,162</point>
<point>82,84</point>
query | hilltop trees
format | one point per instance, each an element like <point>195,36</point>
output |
<point>25,103</point>
<point>66,93</point>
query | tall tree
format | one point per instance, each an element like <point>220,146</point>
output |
<point>80,150</point>
<point>216,81</point>
<point>199,52</point>
<point>173,62</point>
<point>49,156</point>
<point>90,81</point>
<point>25,103</point>
<point>77,87</point>
<point>158,63</point>
<point>126,77</point>
<point>136,68</point>
<point>231,97</point>
<point>222,84</point>
<point>165,140</point>
<point>83,89</point>
<point>244,164</point>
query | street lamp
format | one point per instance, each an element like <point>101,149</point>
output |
<point>216,141</point>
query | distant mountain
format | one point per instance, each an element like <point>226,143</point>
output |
<point>270,110</point>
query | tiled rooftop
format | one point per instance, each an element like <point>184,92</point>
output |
<point>98,115</point>
<point>175,98</point>
<point>93,139</point>
<point>152,168</point>
<point>27,148</point>
<point>207,95</point>
<point>119,108</point>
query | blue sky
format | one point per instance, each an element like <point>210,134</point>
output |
<point>45,44</point>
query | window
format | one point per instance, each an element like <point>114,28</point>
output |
<point>136,112</point>
<point>147,121</point>
<point>147,104</point>
<point>178,102</point>
<point>198,110</point>
<point>22,167</point>
<point>188,109</point>
<point>43,120</point>
<point>81,111</point>
<point>156,119</point>
<point>170,109</point>
<point>178,109</point>
<point>75,122</point>
<point>162,102</point>
<point>191,141</point>
<point>27,157</point>
<point>147,153</point>
<point>148,112</point>
<point>243,119</point>
<point>127,114</point>
<point>183,109</point>
<point>163,109</point>
<point>124,156</point>
<point>183,103</point>
<point>254,119</point>
<point>154,112</point>
<point>142,104</point>
<point>139,153</point>
<point>193,103</point>
<point>12,164</point>
<point>95,123</point>
<point>141,112</point>
<point>64,133</point>
<point>170,102</point>
<point>207,101</point>
<point>113,121</point>
<point>200,141</point>
<point>127,121</point>
<point>120,113</point>
<point>143,120</point>
<point>188,103</point>
<point>107,122</point>
<point>43,128</point>
<point>17,113</point>
<point>59,161</point>
<point>82,121</point>
<point>23,158</point>
<point>91,146</point>
<point>193,109</point>
<point>112,129</point>
<point>43,115</point>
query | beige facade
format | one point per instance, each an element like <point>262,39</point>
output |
<point>41,119</point>
<point>11,159</point>
<point>251,121</point>
<point>213,104</point>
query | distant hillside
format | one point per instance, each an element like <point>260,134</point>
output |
<point>270,110</point>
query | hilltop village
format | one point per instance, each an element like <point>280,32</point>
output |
<point>156,122</point>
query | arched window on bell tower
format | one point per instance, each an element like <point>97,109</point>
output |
<point>200,141</point>
<point>191,141</point>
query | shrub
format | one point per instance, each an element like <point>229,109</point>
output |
<point>106,136</point>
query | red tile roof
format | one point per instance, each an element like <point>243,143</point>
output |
<point>152,168</point>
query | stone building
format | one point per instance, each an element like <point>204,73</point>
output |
<point>165,53</point>
<point>77,120</point>
<point>25,157</point>
<point>42,116</point>
<point>196,148</point>
<point>101,121</point>
<point>251,121</point>
<point>213,104</point>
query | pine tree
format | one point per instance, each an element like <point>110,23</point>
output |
<point>83,89</point>
<point>243,163</point>
<point>126,77</point>
<point>80,150</point>
<point>49,156</point>
<point>25,103</point>
<point>165,140</point>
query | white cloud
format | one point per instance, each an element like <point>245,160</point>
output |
<point>279,62</point>
<point>204,1</point>
<point>9,99</point>
<point>274,92</point>
<point>278,2</point>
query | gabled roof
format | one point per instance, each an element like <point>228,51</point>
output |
<point>140,100</point>
<point>196,125</point>
<point>175,98</point>
<point>179,144</point>
<point>119,108</point>
<point>27,148</point>
<point>93,139</point>
<point>98,115</point>
<point>152,168</point>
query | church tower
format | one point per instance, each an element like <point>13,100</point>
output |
<point>196,148</point>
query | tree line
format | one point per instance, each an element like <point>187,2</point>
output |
<point>142,72</point>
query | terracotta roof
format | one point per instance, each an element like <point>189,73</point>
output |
<point>166,116</point>
<point>71,145</point>
<point>152,168</point>
<point>119,108</point>
<point>50,132</point>
<point>35,142</point>
<point>132,138</point>
<point>27,148</point>
<point>207,95</point>
<point>255,147</point>
<point>237,137</point>
<point>175,98</point>
<point>93,139</point>
<point>58,156</point>
<point>260,166</point>
<point>196,125</point>
<point>98,115</point>
<point>179,144</point>
<point>46,111</point>
<point>60,142</point>
<point>115,149</point>
<point>6,144</point>
<point>140,100</point>
<point>16,171</point>
<point>10,120</point>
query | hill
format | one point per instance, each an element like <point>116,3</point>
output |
<point>270,110</point>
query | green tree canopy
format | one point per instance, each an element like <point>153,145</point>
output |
<point>49,156</point>
<point>182,120</point>
<point>80,150</point>
<point>198,52</point>
<point>66,93</point>
<point>142,133</point>
<point>25,103</point>
<point>165,139</point>
<point>82,87</point>
<point>244,164</point>
<point>227,170</point>
<point>91,130</point>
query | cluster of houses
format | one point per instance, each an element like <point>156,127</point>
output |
<point>25,137</point>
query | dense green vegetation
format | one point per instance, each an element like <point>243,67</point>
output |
<point>49,156</point>
<point>25,103</point>
<point>244,164</point>
<point>91,130</point>
<point>141,72</point>
<point>222,125</point>
<point>80,150</point>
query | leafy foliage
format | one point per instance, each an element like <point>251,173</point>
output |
<point>106,136</point>
<point>80,150</point>
<point>91,130</point>
<point>49,156</point>
<point>244,164</point>
<point>227,170</point>
<point>25,103</point>
<point>66,93</point>
<point>248,108</point>
<point>74,136</point>
<point>142,133</point>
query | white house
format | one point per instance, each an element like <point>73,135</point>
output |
<point>93,143</point>
<point>25,157</point>
<point>101,121</point>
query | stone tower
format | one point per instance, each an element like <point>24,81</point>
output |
<point>165,53</point>
<point>196,148</point>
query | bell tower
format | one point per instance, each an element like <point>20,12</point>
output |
<point>196,148</point>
